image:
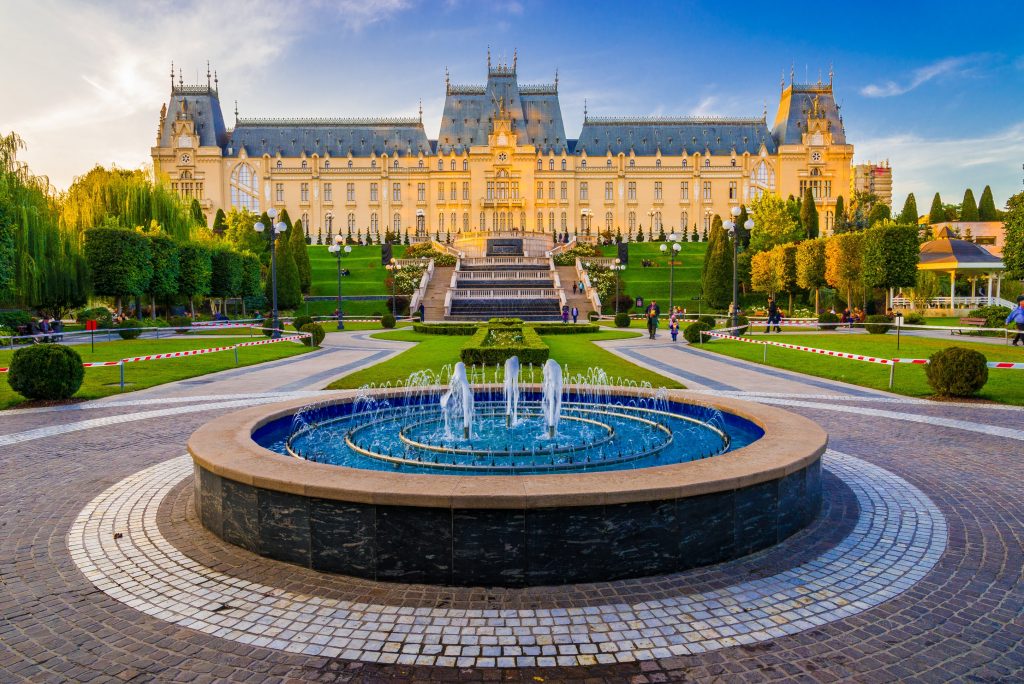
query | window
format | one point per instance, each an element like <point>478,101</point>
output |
<point>564,191</point>
<point>304,192</point>
<point>540,164</point>
<point>632,162</point>
<point>707,222</point>
<point>465,192</point>
<point>453,168</point>
<point>396,222</point>
<point>452,192</point>
<point>684,221</point>
<point>329,222</point>
<point>243,188</point>
<point>732,190</point>
<point>707,162</point>
<point>421,192</point>
<point>583,191</point>
<point>440,191</point>
<point>327,163</point>
<point>515,189</point>
<point>483,221</point>
<point>490,190</point>
<point>350,192</point>
<point>305,164</point>
<point>657,191</point>
<point>440,221</point>
<point>684,191</point>
<point>608,220</point>
<point>631,191</point>
<point>440,165</point>
<point>565,222</point>
<point>608,191</point>
<point>305,223</point>
<point>465,221</point>
<point>762,176</point>
<point>455,222</point>
<point>632,221</point>
<point>351,222</point>
<point>279,163</point>
<point>540,190</point>
<point>465,165</point>
<point>374,226</point>
<point>396,192</point>
<point>563,168</point>
<point>684,163</point>
<point>583,163</point>
<point>540,220</point>
<point>657,220</point>
<point>551,189</point>
<point>707,191</point>
<point>373,163</point>
<point>350,163</point>
<point>551,164</point>
<point>279,192</point>
<point>734,162</point>
<point>328,192</point>
<point>551,221</point>
<point>420,163</point>
<point>395,164</point>
<point>657,163</point>
<point>373,193</point>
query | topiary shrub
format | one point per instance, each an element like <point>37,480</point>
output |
<point>181,323</point>
<point>622,320</point>
<point>46,371</point>
<point>692,332</point>
<point>828,321</point>
<point>300,322</point>
<point>956,372</point>
<point>709,321</point>
<point>914,319</point>
<point>316,332</point>
<point>505,321</point>
<point>877,324</point>
<point>741,321</point>
<point>388,321</point>
<point>128,329</point>
<point>593,316</point>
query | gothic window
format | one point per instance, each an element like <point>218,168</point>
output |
<point>452,192</point>
<point>684,163</point>
<point>657,220</point>
<point>243,188</point>
<point>440,191</point>
<point>551,221</point>
<point>421,192</point>
<point>279,163</point>
<point>732,190</point>
<point>540,190</point>
<point>551,190</point>
<point>551,164</point>
<point>395,164</point>
<point>563,165</point>
<point>305,164</point>
<point>327,163</point>
<point>608,220</point>
<point>465,165</point>
<point>419,164</point>
<point>186,175</point>
<point>657,163</point>
<point>396,192</point>
<point>465,192</point>
<point>374,224</point>
<point>350,163</point>
<point>453,164</point>
<point>583,163</point>
<point>608,191</point>
<point>707,162</point>
<point>455,221</point>
<point>540,164</point>
<point>329,222</point>
<point>396,222</point>
<point>440,221</point>
<point>763,177</point>
<point>632,162</point>
<point>305,223</point>
<point>522,220</point>
<point>707,191</point>
<point>632,221</point>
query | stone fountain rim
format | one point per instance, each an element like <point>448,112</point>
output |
<point>790,443</point>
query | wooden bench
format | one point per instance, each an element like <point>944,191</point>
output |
<point>972,322</point>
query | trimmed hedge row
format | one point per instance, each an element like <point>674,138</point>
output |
<point>445,328</point>
<point>505,321</point>
<point>562,329</point>
<point>532,350</point>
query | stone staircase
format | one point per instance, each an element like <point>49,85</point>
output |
<point>433,300</point>
<point>566,275</point>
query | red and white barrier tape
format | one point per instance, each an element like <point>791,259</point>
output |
<point>1002,364</point>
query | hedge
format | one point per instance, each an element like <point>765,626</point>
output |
<point>561,329</point>
<point>692,332</point>
<point>46,371</point>
<point>505,321</point>
<point>877,324</point>
<point>532,350</point>
<point>445,328</point>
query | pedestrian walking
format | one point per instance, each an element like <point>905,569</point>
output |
<point>652,313</point>
<point>673,328</point>
<point>565,315</point>
<point>574,288</point>
<point>1017,316</point>
<point>575,314</point>
<point>774,317</point>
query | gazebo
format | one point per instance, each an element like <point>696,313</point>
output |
<point>946,254</point>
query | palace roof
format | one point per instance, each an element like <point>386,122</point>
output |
<point>337,137</point>
<point>798,102</point>
<point>645,136</point>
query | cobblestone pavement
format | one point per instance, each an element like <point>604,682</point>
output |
<point>957,616</point>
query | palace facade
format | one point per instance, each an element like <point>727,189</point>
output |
<point>502,162</point>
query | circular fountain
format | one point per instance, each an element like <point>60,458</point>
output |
<point>488,477</point>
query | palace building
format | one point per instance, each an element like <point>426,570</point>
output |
<point>502,162</point>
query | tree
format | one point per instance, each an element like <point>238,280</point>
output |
<point>890,257</point>
<point>741,230</point>
<point>773,223</point>
<point>166,268</point>
<point>196,210</point>
<point>809,215</point>
<point>937,214</point>
<point>251,287</point>
<point>297,247</point>
<point>844,263</point>
<point>840,223</point>
<point>908,216</point>
<point>767,271</point>
<point>226,273</point>
<point>289,291</point>
<point>716,279</point>
<point>1013,249</point>
<point>987,206</point>
<point>119,262</point>
<point>810,267</point>
<point>968,208</point>
<point>879,212</point>
<point>220,223</point>
<point>195,272</point>
<point>239,233</point>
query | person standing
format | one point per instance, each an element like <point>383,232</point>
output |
<point>575,314</point>
<point>653,311</point>
<point>1017,316</point>
<point>773,316</point>
<point>673,328</point>
<point>565,315</point>
<point>574,288</point>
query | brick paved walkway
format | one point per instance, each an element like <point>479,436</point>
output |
<point>962,621</point>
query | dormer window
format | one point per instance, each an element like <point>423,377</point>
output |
<point>684,163</point>
<point>540,164</point>
<point>707,162</point>
<point>350,163</point>
<point>395,164</point>
<point>420,164</point>
<point>583,163</point>
<point>279,163</point>
<point>734,162</point>
<point>657,163</point>
<point>632,162</point>
<point>327,163</point>
<point>305,164</point>
<point>563,165</point>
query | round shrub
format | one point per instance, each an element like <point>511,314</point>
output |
<point>267,329</point>
<point>995,316</point>
<point>740,321</point>
<point>181,323</point>
<point>100,314</point>
<point>300,322</point>
<point>622,320</point>
<point>156,323</point>
<point>709,321</point>
<point>914,319</point>
<point>877,324</point>
<point>46,371</point>
<point>692,333</point>
<point>317,332</point>
<point>828,321</point>
<point>128,329</point>
<point>593,316</point>
<point>956,372</point>
<point>388,321</point>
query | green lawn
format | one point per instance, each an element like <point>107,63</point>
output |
<point>435,351</point>
<point>653,282</point>
<point>1005,386</point>
<point>101,382</point>
<point>366,277</point>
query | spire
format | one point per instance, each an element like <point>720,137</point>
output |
<point>782,80</point>
<point>421,110</point>
<point>792,72</point>
<point>236,112</point>
<point>584,108</point>
<point>764,110</point>
<point>830,74</point>
<point>181,79</point>
<point>556,79</point>
<point>488,57</point>
<point>447,82</point>
<point>208,73</point>
<point>216,83</point>
<point>515,58</point>
<point>172,74</point>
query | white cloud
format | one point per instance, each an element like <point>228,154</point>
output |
<point>925,166</point>
<point>918,78</point>
<point>358,14</point>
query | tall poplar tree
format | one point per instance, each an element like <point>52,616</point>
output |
<point>909,214</point>
<point>840,223</point>
<point>969,208</point>
<point>717,275</point>
<point>809,215</point>
<point>297,246</point>
<point>937,214</point>
<point>987,206</point>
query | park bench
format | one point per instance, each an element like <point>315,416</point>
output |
<point>973,322</point>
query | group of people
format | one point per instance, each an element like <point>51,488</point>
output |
<point>566,312</point>
<point>577,286</point>
<point>45,329</point>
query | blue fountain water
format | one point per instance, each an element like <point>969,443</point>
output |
<point>472,428</point>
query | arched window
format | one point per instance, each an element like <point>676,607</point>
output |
<point>563,164</point>
<point>608,220</point>
<point>305,164</point>
<point>455,221</point>
<point>501,221</point>
<point>609,162</point>
<point>684,221</point>
<point>657,220</point>
<point>440,221</point>
<point>350,163</point>
<point>395,164</point>
<point>244,193</point>
<point>707,162</point>
<point>329,222</point>
<point>632,221</point>
<point>351,222</point>
<point>565,222</point>
<point>419,164</point>
<point>522,220</point>
<point>465,164</point>
<point>632,162</point>
<point>761,178</point>
<point>684,162</point>
<point>373,163</point>
<point>551,164</point>
<point>483,221</point>
<point>279,163</point>
<point>327,163</point>
<point>734,162</point>
<point>440,165</point>
<point>186,175</point>
<point>374,225</point>
<point>540,221</point>
<point>657,163</point>
<point>583,163</point>
<point>465,221</point>
<point>815,172</point>
<point>551,221</point>
<point>396,222</point>
<point>453,164</point>
<point>540,164</point>
<point>305,224</point>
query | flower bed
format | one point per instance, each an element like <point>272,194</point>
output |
<point>492,345</point>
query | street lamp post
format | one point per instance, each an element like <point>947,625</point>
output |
<point>394,267</point>
<point>336,249</point>
<point>616,267</point>
<point>671,268</point>
<point>734,231</point>
<point>275,230</point>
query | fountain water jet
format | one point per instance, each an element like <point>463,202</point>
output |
<point>551,397</point>
<point>511,391</point>
<point>457,402</point>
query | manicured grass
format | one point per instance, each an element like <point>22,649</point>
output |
<point>435,351</point>
<point>1004,386</point>
<point>101,382</point>
<point>366,274</point>
<point>653,282</point>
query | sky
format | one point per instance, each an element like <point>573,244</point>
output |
<point>935,88</point>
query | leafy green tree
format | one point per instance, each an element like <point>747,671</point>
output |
<point>810,267</point>
<point>1013,249</point>
<point>844,263</point>
<point>987,206</point>
<point>741,221</point>
<point>166,269</point>
<point>120,262</point>
<point>839,226</point>
<point>226,273</point>
<point>251,289</point>
<point>794,206</point>
<point>890,257</point>
<point>809,215</point>
<point>968,208</point>
<point>937,214</point>
<point>773,223</point>
<point>197,213</point>
<point>716,280</point>
<point>297,247</point>
<point>220,223</point>
<point>879,212</point>
<point>289,290</point>
<point>196,271</point>
<point>239,233</point>
<point>908,216</point>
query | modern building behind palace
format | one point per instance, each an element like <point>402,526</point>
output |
<point>502,161</point>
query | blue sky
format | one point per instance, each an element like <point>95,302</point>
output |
<point>935,88</point>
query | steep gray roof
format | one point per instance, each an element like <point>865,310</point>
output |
<point>674,137</point>
<point>339,137</point>
<point>202,105</point>
<point>797,103</point>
